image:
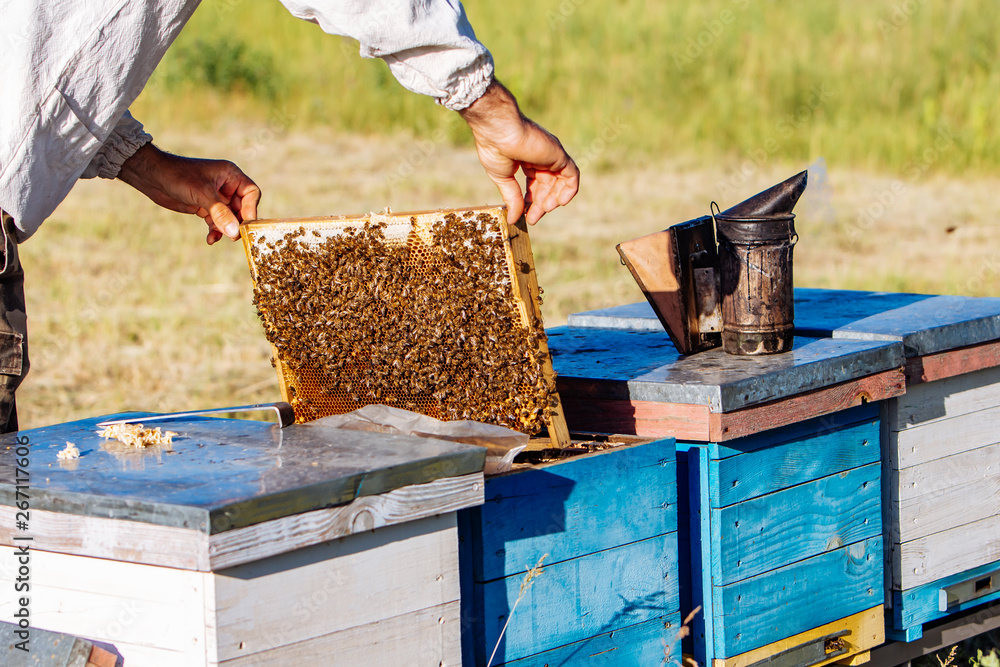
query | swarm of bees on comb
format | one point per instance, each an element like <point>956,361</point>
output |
<point>425,322</point>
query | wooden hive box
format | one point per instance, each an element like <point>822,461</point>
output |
<point>940,439</point>
<point>785,536</point>
<point>607,591</point>
<point>438,312</point>
<point>757,423</point>
<point>243,545</point>
<point>940,445</point>
<point>943,506</point>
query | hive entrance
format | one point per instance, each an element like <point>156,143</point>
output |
<point>431,312</point>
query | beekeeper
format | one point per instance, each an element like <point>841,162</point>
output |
<point>70,69</point>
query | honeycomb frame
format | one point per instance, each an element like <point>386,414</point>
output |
<point>306,389</point>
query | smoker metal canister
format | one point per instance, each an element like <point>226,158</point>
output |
<point>755,265</point>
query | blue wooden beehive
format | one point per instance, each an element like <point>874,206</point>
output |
<point>779,480</point>
<point>607,590</point>
<point>941,514</point>
<point>785,534</point>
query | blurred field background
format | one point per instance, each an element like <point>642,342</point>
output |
<point>667,106</point>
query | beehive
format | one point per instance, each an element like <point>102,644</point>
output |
<point>435,312</point>
<point>604,526</point>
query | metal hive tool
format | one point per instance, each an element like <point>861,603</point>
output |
<point>434,311</point>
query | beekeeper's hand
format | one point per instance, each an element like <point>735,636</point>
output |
<point>506,141</point>
<point>216,190</point>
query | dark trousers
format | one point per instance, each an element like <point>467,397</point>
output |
<point>13,326</point>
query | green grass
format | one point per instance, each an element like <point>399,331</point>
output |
<point>861,83</point>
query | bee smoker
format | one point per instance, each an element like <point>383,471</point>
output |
<point>736,293</point>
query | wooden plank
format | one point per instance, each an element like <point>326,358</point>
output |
<point>654,642</point>
<point>696,422</point>
<point>244,545</point>
<point>944,437</point>
<point>815,403</point>
<point>336,585</point>
<point>771,531</point>
<point>577,599</point>
<point>677,420</point>
<point>947,398</point>
<point>865,630</point>
<point>763,609</point>
<point>822,448</point>
<point>803,430</point>
<point>703,543</point>
<point>139,542</point>
<point>940,365</point>
<point>155,613</point>
<point>423,638</point>
<point>947,553</point>
<point>573,507</point>
<point>941,510</point>
<point>956,470</point>
<point>684,547</point>
<point>922,604</point>
<point>888,482</point>
<point>525,280</point>
<point>129,541</point>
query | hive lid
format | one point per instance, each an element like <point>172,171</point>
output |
<point>924,323</point>
<point>643,366</point>
<point>222,473</point>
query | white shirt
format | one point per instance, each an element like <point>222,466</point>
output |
<point>69,69</point>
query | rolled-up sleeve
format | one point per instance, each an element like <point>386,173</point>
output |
<point>127,137</point>
<point>429,45</point>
